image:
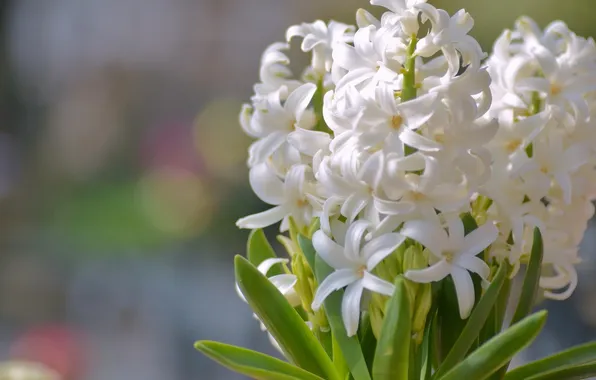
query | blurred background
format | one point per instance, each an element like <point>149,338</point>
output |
<point>122,172</point>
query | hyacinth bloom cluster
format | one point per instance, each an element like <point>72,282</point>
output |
<point>405,152</point>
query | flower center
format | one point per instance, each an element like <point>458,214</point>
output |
<point>292,125</point>
<point>396,122</point>
<point>360,271</point>
<point>512,145</point>
<point>301,203</point>
<point>544,169</point>
<point>439,137</point>
<point>449,256</point>
<point>415,195</point>
<point>555,89</point>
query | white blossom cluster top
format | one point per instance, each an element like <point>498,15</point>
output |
<point>391,134</point>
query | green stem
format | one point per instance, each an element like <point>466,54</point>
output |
<point>318,108</point>
<point>534,109</point>
<point>408,91</point>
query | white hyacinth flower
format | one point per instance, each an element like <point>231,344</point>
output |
<point>274,123</point>
<point>320,38</point>
<point>455,255</point>
<point>292,197</point>
<point>353,263</point>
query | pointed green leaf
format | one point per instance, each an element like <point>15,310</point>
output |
<point>531,279</point>
<point>474,323</point>
<point>251,363</point>
<point>392,356</point>
<point>282,321</point>
<point>368,343</point>
<point>585,353</point>
<point>349,346</point>
<point>529,290</point>
<point>427,348</point>
<point>491,356</point>
<point>308,250</point>
<point>258,250</point>
<point>449,323</point>
<point>582,371</point>
<point>494,324</point>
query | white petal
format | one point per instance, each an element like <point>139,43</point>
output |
<point>429,234</point>
<point>435,272</point>
<point>309,42</point>
<point>533,84</point>
<point>377,249</point>
<point>377,285</point>
<point>309,142</point>
<point>330,251</point>
<point>418,141</point>
<point>336,280</point>
<point>372,170</point>
<point>299,99</point>
<point>464,287</point>
<point>564,182</point>
<point>456,230</point>
<point>477,240</point>
<point>354,240</point>
<point>266,185</point>
<point>353,205</point>
<point>294,31</point>
<point>285,284</point>
<point>418,111</point>
<point>262,149</point>
<point>474,264</point>
<point>263,219</point>
<point>350,307</point>
<point>394,207</point>
<point>267,264</point>
<point>546,59</point>
<point>330,208</point>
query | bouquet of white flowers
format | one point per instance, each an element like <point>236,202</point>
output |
<point>414,176</point>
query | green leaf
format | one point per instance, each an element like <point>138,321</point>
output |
<point>349,346</point>
<point>427,348</point>
<point>258,250</point>
<point>491,356</point>
<point>576,355</point>
<point>494,324</point>
<point>308,250</point>
<point>475,322</point>
<point>283,322</point>
<point>449,322</point>
<point>577,372</point>
<point>368,343</point>
<point>531,279</point>
<point>529,290</point>
<point>251,363</point>
<point>393,348</point>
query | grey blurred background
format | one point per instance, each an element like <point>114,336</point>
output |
<point>122,172</point>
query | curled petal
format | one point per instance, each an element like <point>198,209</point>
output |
<point>479,239</point>
<point>335,281</point>
<point>464,287</point>
<point>350,307</point>
<point>429,234</point>
<point>267,264</point>
<point>266,185</point>
<point>263,219</point>
<point>377,285</point>
<point>435,272</point>
<point>380,247</point>
<point>332,253</point>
